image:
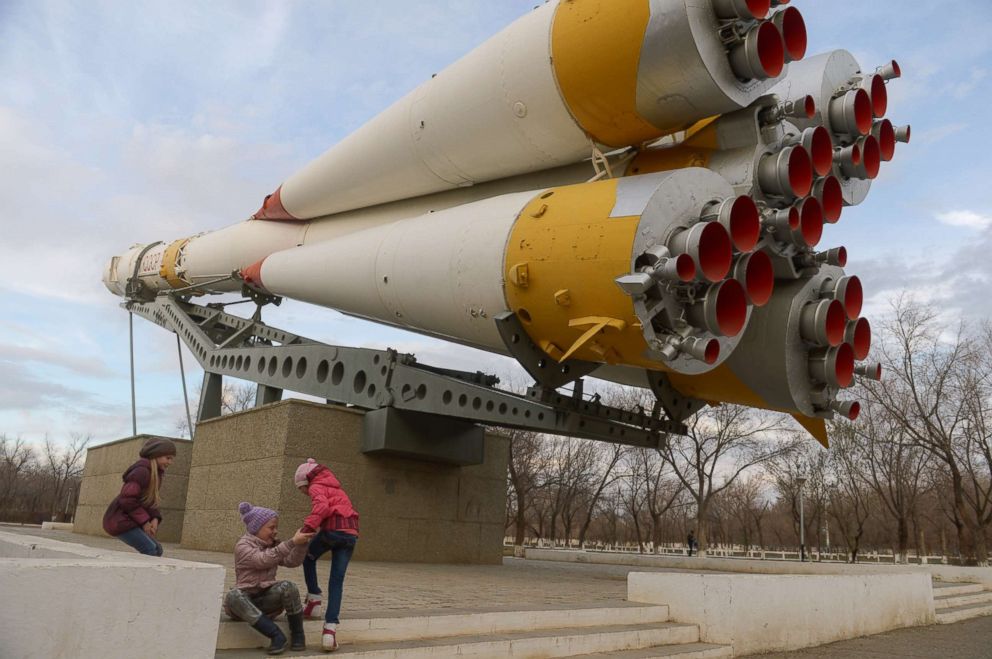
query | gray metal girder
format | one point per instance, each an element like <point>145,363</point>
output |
<point>228,345</point>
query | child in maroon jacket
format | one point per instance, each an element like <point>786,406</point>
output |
<point>336,522</point>
<point>133,516</point>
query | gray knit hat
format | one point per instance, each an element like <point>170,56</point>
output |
<point>156,447</point>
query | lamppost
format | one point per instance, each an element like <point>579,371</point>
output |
<point>802,520</point>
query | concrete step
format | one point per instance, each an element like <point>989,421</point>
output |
<point>959,613</point>
<point>955,601</point>
<point>943,588</point>
<point>569,642</point>
<point>233,635</point>
<point>683,651</point>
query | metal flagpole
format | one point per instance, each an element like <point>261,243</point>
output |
<point>182,374</point>
<point>134,412</point>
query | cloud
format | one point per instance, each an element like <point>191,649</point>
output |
<point>20,390</point>
<point>80,365</point>
<point>939,134</point>
<point>965,218</point>
<point>963,88</point>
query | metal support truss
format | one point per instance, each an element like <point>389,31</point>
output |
<point>228,345</point>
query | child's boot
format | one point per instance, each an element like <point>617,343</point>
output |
<point>297,639</point>
<point>313,608</point>
<point>265,626</point>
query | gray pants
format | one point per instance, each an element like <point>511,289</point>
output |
<point>282,595</point>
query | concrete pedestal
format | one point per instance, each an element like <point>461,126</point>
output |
<point>106,464</point>
<point>410,510</point>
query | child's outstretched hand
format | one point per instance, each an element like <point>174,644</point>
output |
<point>301,538</point>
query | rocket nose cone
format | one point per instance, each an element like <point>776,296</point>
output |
<point>252,275</point>
<point>111,279</point>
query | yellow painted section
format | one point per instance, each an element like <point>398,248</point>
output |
<point>574,247</point>
<point>721,385</point>
<point>597,325</point>
<point>694,151</point>
<point>702,134</point>
<point>665,159</point>
<point>168,269</point>
<point>595,52</point>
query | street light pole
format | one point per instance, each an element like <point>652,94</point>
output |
<point>802,520</point>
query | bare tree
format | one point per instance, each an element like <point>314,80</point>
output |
<point>633,496</point>
<point>235,397</point>
<point>64,465</point>
<point>976,443</point>
<point>896,468</point>
<point>722,443</point>
<point>650,473</point>
<point>16,456</point>
<point>801,481</point>
<point>849,493</point>
<point>525,466</point>
<point>926,392</point>
<point>608,476</point>
<point>745,502</point>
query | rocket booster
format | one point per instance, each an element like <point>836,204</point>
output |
<point>547,89</point>
<point>643,184</point>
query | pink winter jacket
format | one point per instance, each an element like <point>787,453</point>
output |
<point>330,507</point>
<point>256,562</point>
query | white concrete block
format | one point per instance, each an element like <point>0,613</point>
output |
<point>56,526</point>
<point>949,573</point>
<point>958,574</point>
<point>65,600</point>
<point>763,613</point>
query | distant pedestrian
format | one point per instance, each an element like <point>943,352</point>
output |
<point>691,542</point>
<point>257,597</point>
<point>336,522</point>
<point>133,516</point>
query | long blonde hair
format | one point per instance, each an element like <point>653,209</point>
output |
<point>151,496</point>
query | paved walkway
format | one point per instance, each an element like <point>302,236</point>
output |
<point>393,589</point>
<point>402,588</point>
<point>971,639</point>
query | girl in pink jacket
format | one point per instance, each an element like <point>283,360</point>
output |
<point>335,521</point>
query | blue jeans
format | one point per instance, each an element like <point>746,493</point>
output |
<point>342,546</point>
<point>141,541</point>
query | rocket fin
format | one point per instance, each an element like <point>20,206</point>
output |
<point>815,427</point>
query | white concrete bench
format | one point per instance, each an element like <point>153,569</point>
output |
<point>63,599</point>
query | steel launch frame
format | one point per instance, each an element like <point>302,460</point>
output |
<point>278,360</point>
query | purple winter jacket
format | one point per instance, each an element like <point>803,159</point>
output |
<point>127,511</point>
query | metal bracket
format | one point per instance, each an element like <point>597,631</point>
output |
<point>546,371</point>
<point>677,406</point>
<point>134,289</point>
<point>227,345</point>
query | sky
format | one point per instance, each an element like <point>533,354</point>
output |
<point>125,122</point>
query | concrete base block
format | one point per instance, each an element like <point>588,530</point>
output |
<point>766,613</point>
<point>411,510</point>
<point>62,599</point>
<point>105,465</point>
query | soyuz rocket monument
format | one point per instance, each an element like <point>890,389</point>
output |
<point>642,184</point>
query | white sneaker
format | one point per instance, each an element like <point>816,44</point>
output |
<point>329,640</point>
